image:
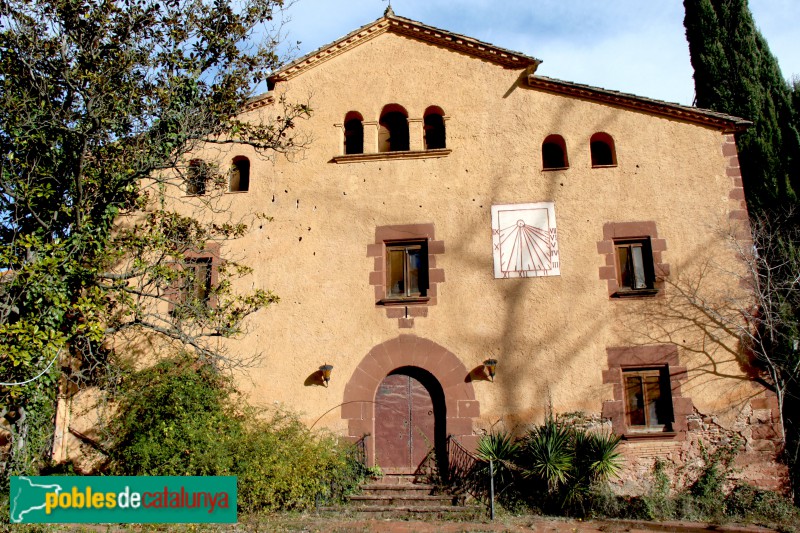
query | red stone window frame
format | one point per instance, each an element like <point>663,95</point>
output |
<point>405,309</point>
<point>625,232</point>
<point>211,253</point>
<point>661,357</point>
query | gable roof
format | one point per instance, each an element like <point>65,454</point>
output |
<point>392,23</point>
<point>706,117</point>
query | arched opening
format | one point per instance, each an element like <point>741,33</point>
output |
<point>554,152</point>
<point>434,128</point>
<point>240,174</point>
<point>393,132</point>
<point>603,152</point>
<point>353,133</point>
<point>196,178</point>
<point>410,419</point>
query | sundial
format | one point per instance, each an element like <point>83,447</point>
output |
<point>525,240</point>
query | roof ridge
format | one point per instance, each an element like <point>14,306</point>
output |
<point>410,28</point>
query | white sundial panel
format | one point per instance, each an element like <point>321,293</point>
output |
<point>525,240</point>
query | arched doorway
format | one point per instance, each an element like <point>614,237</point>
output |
<point>410,416</point>
<point>447,374</point>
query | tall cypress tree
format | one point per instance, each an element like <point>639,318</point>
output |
<point>735,73</point>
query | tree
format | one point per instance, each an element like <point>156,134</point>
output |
<point>740,321</point>
<point>101,105</point>
<point>735,73</point>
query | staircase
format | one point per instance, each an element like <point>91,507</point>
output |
<point>399,496</point>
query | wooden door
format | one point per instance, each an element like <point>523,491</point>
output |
<point>404,422</point>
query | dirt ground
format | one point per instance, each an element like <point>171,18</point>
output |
<point>313,523</point>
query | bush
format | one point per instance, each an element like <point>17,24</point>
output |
<point>182,418</point>
<point>750,504</point>
<point>553,467</point>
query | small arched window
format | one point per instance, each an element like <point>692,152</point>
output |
<point>603,152</point>
<point>434,128</point>
<point>240,174</point>
<point>393,132</point>
<point>196,177</point>
<point>353,133</point>
<point>554,152</point>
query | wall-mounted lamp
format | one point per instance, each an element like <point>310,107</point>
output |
<point>491,366</point>
<point>326,373</point>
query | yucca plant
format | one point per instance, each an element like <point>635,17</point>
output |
<point>548,454</point>
<point>502,449</point>
<point>595,460</point>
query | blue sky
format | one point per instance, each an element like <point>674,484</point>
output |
<point>636,46</point>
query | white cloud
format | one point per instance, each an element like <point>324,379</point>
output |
<point>627,45</point>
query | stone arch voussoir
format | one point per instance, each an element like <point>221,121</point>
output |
<point>462,407</point>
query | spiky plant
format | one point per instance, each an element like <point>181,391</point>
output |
<point>548,455</point>
<point>502,449</point>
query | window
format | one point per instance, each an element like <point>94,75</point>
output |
<point>554,152</point>
<point>240,174</point>
<point>434,128</point>
<point>635,272</point>
<point>603,152</point>
<point>407,270</point>
<point>197,175</point>
<point>648,402</point>
<point>353,133</point>
<point>647,386</point>
<point>193,290</point>
<point>196,286</point>
<point>393,132</point>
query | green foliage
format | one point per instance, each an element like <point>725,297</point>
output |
<point>553,467</point>
<point>175,419</point>
<point>102,104</point>
<point>547,454</point>
<point>658,502</point>
<point>736,73</point>
<point>750,504</point>
<point>282,465</point>
<point>182,418</point>
<point>503,451</point>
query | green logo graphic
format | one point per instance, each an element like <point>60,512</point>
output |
<point>120,499</point>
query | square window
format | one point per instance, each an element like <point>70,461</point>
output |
<point>635,270</point>
<point>648,399</point>
<point>406,270</point>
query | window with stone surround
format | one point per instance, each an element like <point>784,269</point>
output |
<point>648,400</point>
<point>405,274</point>
<point>407,270</point>
<point>635,271</point>
<point>647,392</point>
<point>632,252</point>
<point>193,290</point>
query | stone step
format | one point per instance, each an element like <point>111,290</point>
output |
<point>389,489</point>
<point>392,511</point>
<point>398,479</point>
<point>397,501</point>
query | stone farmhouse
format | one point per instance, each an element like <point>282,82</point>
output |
<point>466,246</point>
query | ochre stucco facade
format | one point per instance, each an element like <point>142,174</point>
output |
<point>562,342</point>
